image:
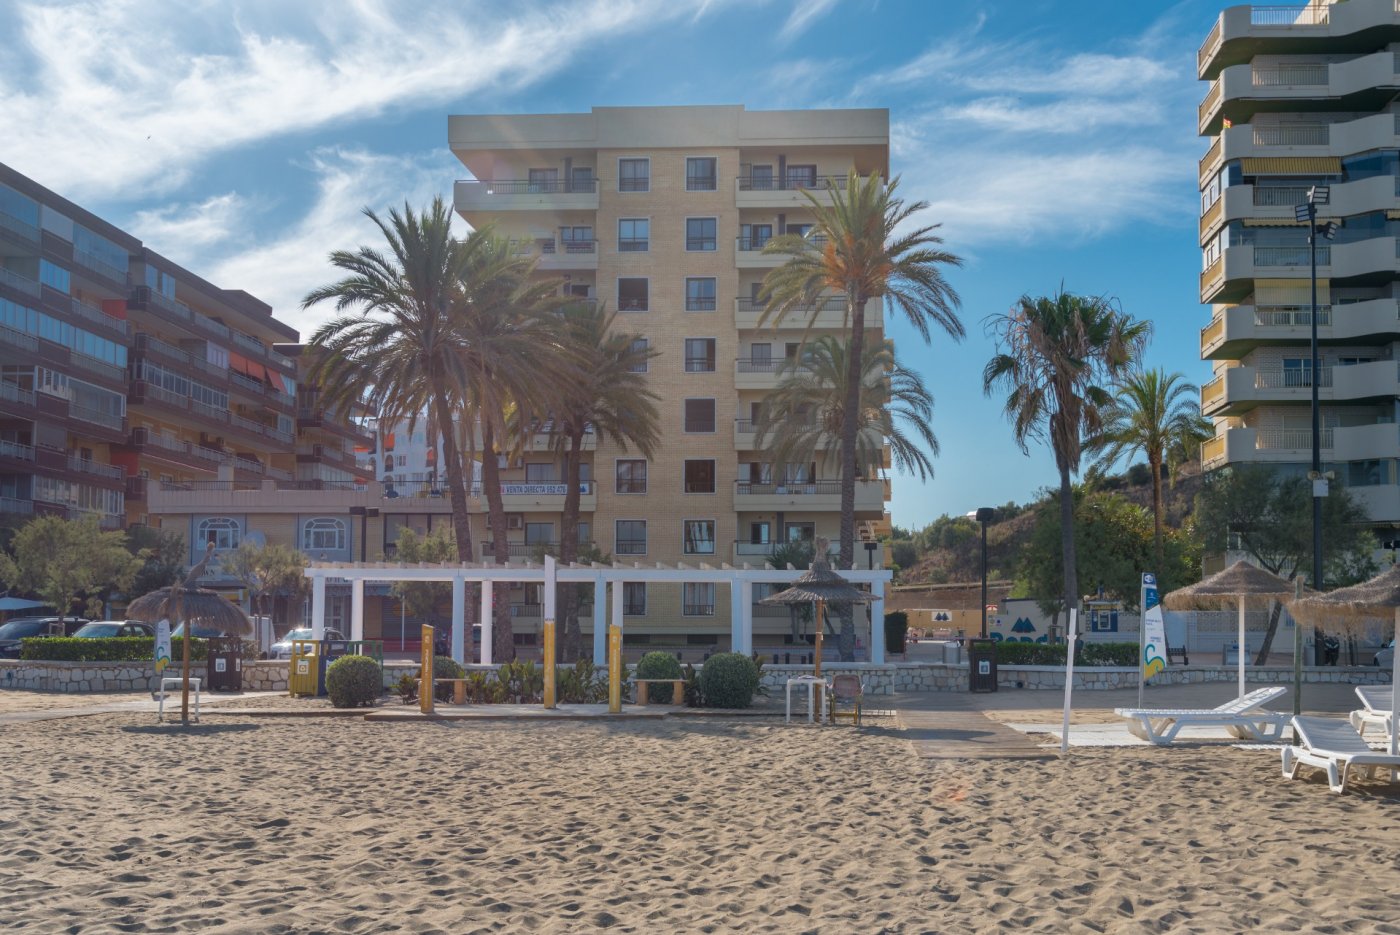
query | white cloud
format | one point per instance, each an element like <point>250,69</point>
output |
<point>199,225</point>
<point>804,14</point>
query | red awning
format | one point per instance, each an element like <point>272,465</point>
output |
<point>238,363</point>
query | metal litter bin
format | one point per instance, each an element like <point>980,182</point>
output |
<point>331,650</point>
<point>303,672</point>
<point>225,664</point>
<point>982,665</point>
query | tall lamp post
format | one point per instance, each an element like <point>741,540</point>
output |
<point>984,516</point>
<point>1306,213</point>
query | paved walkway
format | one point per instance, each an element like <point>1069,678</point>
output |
<point>946,726</point>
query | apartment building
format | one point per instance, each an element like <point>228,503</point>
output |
<point>1301,97</point>
<point>662,214</point>
<point>123,374</point>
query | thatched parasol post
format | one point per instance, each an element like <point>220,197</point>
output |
<point>184,662</point>
<point>817,585</point>
<point>821,624</point>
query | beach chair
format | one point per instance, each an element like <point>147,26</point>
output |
<point>845,689</point>
<point>1374,710</point>
<point>1243,717</point>
<point>1334,745</point>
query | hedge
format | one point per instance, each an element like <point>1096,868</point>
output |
<point>106,649</point>
<point>1123,655</point>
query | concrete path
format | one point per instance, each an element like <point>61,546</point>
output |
<point>945,726</point>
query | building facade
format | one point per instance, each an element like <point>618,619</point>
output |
<point>662,214</point>
<point>1302,97</point>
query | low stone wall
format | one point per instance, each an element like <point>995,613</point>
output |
<point>84,676</point>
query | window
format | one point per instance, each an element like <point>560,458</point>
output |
<point>700,294</point>
<point>55,277</point>
<point>576,239</point>
<point>632,294</point>
<point>634,599</point>
<point>699,355</point>
<point>324,534</point>
<point>700,234</point>
<point>700,174</point>
<point>224,531</point>
<point>754,236</point>
<point>539,533</point>
<point>799,230</point>
<point>634,175</point>
<point>761,353</point>
<point>700,537</point>
<point>585,532</point>
<point>761,178</point>
<point>640,347</point>
<point>699,415</point>
<point>630,537</point>
<point>632,476</point>
<point>1297,371</point>
<point>801,176</point>
<point>698,599</point>
<point>541,472</point>
<point>700,476</point>
<point>544,180</point>
<point>760,533</point>
<point>581,179</point>
<point>633,235</point>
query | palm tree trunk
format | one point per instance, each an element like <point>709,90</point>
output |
<point>503,637</point>
<point>1154,463</point>
<point>846,642</point>
<point>568,542</point>
<point>456,483</point>
<point>1071,569</point>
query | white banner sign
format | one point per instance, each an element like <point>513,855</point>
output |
<point>162,645</point>
<point>1154,631</point>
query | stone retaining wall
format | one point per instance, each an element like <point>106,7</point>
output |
<point>84,676</point>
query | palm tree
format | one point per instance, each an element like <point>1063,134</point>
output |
<point>610,399</point>
<point>853,250</point>
<point>401,351</point>
<point>1154,412</point>
<point>1055,357</point>
<point>798,554</point>
<point>802,420</point>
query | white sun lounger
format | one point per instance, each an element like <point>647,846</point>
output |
<point>1334,745</point>
<point>1242,716</point>
<point>1375,709</point>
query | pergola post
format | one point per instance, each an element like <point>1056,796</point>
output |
<point>617,588</point>
<point>487,624</point>
<point>318,607</point>
<point>459,627</point>
<point>600,621</point>
<point>877,631</point>
<point>357,609</point>
<point>745,602</point>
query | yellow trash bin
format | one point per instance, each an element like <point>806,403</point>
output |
<point>302,673</point>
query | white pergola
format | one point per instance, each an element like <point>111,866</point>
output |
<point>740,582</point>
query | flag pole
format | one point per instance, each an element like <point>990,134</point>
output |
<point>1069,678</point>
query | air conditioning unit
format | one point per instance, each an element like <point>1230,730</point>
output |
<point>515,521</point>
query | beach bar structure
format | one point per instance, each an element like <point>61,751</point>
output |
<point>740,581</point>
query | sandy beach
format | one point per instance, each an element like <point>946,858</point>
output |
<point>260,824</point>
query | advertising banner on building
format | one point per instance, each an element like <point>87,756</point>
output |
<point>1154,632</point>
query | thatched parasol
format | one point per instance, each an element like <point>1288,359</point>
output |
<point>820,585</point>
<point>1346,611</point>
<point>190,604</point>
<point>1240,584</point>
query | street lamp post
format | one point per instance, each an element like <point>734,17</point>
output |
<point>984,516</point>
<point>1306,213</point>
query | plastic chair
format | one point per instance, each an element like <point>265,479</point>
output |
<point>845,689</point>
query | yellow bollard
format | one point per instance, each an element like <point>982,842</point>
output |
<point>549,663</point>
<point>425,687</point>
<point>614,669</point>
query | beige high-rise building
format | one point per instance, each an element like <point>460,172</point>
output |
<point>662,213</point>
<point>1303,98</point>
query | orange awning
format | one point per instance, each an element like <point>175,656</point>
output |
<point>388,441</point>
<point>238,363</point>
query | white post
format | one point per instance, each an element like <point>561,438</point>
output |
<point>877,629</point>
<point>551,584</point>
<point>459,626</point>
<point>1241,650</point>
<point>1394,694</point>
<point>1069,677</point>
<point>487,623</point>
<point>617,621</point>
<point>357,609</point>
<point>600,621</point>
<point>736,615</point>
<point>318,607</point>
<point>746,615</point>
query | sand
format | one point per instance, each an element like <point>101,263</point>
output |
<point>246,824</point>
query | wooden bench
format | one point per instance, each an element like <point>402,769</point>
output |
<point>459,688</point>
<point>678,692</point>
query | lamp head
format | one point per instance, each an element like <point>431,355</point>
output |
<point>1319,194</point>
<point>1328,230</point>
<point>1302,212</point>
<point>985,514</point>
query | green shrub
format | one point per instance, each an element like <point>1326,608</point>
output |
<point>728,680</point>
<point>659,665</point>
<point>1108,654</point>
<point>106,649</point>
<point>354,681</point>
<point>581,683</point>
<point>1044,654</point>
<point>407,689</point>
<point>445,667</point>
<point>896,629</point>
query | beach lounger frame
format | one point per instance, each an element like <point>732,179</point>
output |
<point>1374,710</point>
<point>1334,745</point>
<point>1242,716</point>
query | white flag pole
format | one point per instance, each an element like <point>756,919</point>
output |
<point>1069,678</point>
<point>1142,637</point>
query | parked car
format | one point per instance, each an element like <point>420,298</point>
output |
<point>201,632</point>
<point>282,649</point>
<point>1385,656</point>
<point>21,628</point>
<point>100,629</point>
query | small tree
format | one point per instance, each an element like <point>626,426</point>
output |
<point>64,561</point>
<point>266,570</point>
<point>163,558</point>
<point>799,554</point>
<point>421,598</point>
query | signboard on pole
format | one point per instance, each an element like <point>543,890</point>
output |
<point>1154,631</point>
<point>162,645</point>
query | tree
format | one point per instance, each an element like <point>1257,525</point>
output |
<point>1056,356</point>
<point>1267,516</point>
<point>266,570</point>
<point>611,399</point>
<point>163,558</point>
<point>422,598</point>
<point>1154,413</point>
<point>798,554</point>
<point>65,561</point>
<point>855,250</point>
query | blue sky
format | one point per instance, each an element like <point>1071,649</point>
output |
<point>1053,139</point>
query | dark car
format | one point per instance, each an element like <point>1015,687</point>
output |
<point>21,628</point>
<point>201,632</point>
<point>99,629</point>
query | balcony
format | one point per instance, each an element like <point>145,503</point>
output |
<point>790,193</point>
<point>1241,32</point>
<point>173,450</point>
<point>745,434</point>
<point>541,497</point>
<point>828,313</point>
<point>1240,389</point>
<point>473,195</point>
<point>314,417</point>
<point>1381,502</point>
<point>1239,329</point>
<point>96,469</point>
<point>18,339</point>
<point>816,496</point>
<point>1366,442</point>
<point>763,373</point>
<point>1288,446</point>
<point>567,255</point>
<point>1231,277</point>
<point>1277,202</point>
<point>17,229</point>
<point>93,264</point>
<point>14,451</point>
<point>1365,83</point>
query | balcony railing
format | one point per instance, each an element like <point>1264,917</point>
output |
<point>568,246</point>
<point>527,187</point>
<point>248,342</point>
<point>17,451</point>
<point>99,266</point>
<point>633,245</point>
<point>1291,256</point>
<point>100,367</point>
<point>1213,449</point>
<point>791,183</point>
<point>1289,439</point>
<point>1291,75</point>
<point>834,303</point>
<point>25,342</point>
<point>148,342</point>
<point>1208,160</point>
<point>1301,134</point>
<point>143,437</point>
<point>248,464</point>
<point>1280,196</point>
<point>1209,102</point>
<point>86,466</point>
<point>14,505</point>
<point>769,365</point>
<point>22,283</point>
<point>96,416</point>
<point>14,393</point>
<point>1291,316</point>
<point>23,228</point>
<point>1279,379</point>
<point>98,317</point>
<point>1310,14</point>
<point>152,391</point>
<point>790,488</point>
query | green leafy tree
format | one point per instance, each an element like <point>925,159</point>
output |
<point>266,571</point>
<point>861,247</point>
<point>1268,517</point>
<point>1154,413</point>
<point>162,554</point>
<point>423,598</point>
<point>1057,357</point>
<point>66,561</point>
<point>796,553</point>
